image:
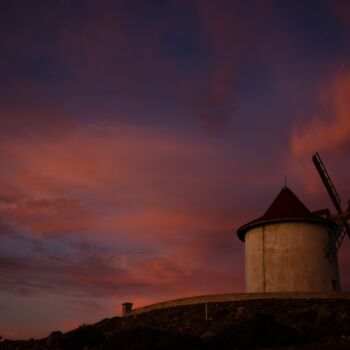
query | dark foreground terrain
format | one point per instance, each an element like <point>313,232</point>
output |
<point>257,324</point>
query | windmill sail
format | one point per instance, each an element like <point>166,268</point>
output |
<point>342,228</point>
<point>327,182</point>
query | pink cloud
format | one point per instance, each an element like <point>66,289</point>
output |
<point>143,179</point>
<point>330,129</point>
<point>151,194</point>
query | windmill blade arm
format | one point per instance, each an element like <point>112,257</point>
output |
<point>341,217</point>
<point>327,181</point>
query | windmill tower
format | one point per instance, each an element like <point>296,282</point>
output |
<point>290,248</point>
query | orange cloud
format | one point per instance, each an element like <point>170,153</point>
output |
<point>116,179</point>
<point>329,130</point>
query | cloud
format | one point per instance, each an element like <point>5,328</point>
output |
<point>116,63</point>
<point>86,305</point>
<point>116,212</point>
<point>63,268</point>
<point>330,129</point>
<point>86,270</point>
<point>227,37</point>
<point>120,178</point>
<point>341,11</point>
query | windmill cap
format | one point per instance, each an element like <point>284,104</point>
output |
<point>286,207</point>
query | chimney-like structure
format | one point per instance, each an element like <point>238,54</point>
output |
<point>127,308</point>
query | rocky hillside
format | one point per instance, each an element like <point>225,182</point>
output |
<point>255,324</point>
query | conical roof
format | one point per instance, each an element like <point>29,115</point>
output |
<point>285,207</point>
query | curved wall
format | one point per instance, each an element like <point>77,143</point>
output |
<point>237,297</point>
<point>289,257</point>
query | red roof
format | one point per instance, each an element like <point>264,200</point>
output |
<point>285,206</point>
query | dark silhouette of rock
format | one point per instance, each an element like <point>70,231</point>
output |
<point>278,324</point>
<point>262,330</point>
<point>148,338</point>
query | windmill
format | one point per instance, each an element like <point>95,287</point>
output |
<point>341,218</point>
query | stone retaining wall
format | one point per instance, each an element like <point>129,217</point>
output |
<point>214,298</point>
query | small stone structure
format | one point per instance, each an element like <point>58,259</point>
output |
<point>126,309</point>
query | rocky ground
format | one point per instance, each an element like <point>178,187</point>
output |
<point>255,324</point>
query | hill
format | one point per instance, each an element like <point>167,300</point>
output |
<point>249,324</point>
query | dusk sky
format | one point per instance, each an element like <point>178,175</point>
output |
<point>138,135</point>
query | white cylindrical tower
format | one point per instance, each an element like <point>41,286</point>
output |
<point>285,249</point>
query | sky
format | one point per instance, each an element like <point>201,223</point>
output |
<point>137,136</point>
